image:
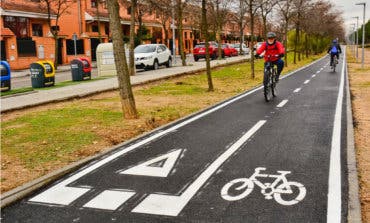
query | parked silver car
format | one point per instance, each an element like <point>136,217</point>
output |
<point>152,56</point>
<point>244,48</point>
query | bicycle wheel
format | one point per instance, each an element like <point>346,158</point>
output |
<point>290,198</point>
<point>273,84</point>
<point>229,193</point>
<point>267,88</point>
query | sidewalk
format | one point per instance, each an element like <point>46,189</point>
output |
<point>87,88</point>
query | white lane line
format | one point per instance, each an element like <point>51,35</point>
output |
<point>297,90</point>
<point>318,72</point>
<point>171,205</point>
<point>282,103</point>
<point>313,75</point>
<point>109,200</point>
<point>321,69</point>
<point>306,82</point>
<point>335,182</point>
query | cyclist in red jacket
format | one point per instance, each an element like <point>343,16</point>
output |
<point>274,51</point>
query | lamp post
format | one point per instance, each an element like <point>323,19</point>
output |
<point>353,26</point>
<point>363,34</point>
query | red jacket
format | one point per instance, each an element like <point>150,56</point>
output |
<point>276,48</point>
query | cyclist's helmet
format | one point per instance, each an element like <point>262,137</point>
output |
<point>334,40</point>
<point>271,35</point>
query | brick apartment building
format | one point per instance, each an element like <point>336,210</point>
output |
<point>25,34</point>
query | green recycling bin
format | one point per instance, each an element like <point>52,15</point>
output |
<point>42,74</point>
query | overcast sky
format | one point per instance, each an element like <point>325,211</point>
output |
<point>350,9</point>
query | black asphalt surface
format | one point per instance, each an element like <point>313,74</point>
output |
<point>296,137</point>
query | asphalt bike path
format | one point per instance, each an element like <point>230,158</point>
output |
<point>243,160</point>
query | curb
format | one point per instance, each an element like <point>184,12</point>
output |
<point>354,206</point>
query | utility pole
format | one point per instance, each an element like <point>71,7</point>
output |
<point>363,35</point>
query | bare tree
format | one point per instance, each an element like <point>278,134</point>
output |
<point>179,9</point>
<point>132,38</point>
<point>57,8</point>
<point>286,13</point>
<point>206,36</point>
<point>219,11</point>
<point>161,10</point>
<point>126,95</point>
<point>266,7</point>
<point>252,7</point>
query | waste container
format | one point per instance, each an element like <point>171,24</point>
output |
<point>81,69</point>
<point>5,76</point>
<point>42,74</point>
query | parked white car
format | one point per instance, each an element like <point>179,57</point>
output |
<point>244,47</point>
<point>152,56</point>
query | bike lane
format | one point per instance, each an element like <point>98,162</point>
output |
<point>184,154</point>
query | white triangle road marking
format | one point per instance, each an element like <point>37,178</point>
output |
<point>160,166</point>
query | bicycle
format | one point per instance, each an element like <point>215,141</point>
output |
<point>269,190</point>
<point>269,81</point>
<point>335,62</point>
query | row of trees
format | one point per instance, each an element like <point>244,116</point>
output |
<point>306,27</point>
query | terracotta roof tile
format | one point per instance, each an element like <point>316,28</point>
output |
<point>24,6</point>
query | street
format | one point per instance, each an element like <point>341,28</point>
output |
<point>243,160</point>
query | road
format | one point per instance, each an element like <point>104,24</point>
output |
<point>243,160</point>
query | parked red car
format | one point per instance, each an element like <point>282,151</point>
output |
<point>199,51</point>
<point>229,51</point>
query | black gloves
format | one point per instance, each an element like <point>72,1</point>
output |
<point>282,55</point>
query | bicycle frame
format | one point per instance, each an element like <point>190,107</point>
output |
<point>273,185</point>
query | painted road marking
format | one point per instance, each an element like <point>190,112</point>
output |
<point>158,167</point>
<point>334,190</point>
<point>313,75</point>
<point>282,103</point>
<point>171,205</point>
<point>318,72</point>
<point>279,186</point>
<point>110,199</point>
<point>297,90</point>
<point>306,82</point>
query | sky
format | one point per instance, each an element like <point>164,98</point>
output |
<point>350,9</point>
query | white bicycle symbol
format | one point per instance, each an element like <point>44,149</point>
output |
<point>269,190</point>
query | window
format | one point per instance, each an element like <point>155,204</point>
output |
<point>95,28</point>
<point>106,29</point>
<point>18,25</point>
<point>71,47</point>
<point>93,3</point>
<point>36,30</point>
<point>26,47</point>
<point>186,35</point>
<point>129,10</point>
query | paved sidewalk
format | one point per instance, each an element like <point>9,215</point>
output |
<point>87,88</point>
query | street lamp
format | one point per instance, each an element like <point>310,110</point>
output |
<point>356,17</point>
<point>353,40</point>
<point>363,34</point>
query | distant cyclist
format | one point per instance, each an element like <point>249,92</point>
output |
<point>274,51</point>
<point>334,50</point>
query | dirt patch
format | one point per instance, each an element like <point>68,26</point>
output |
<point>360,94</point>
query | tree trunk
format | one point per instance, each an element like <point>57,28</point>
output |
<point>252,36</point>
<point>56,51</point>
<point>205,34</point>
<point>180,34</point>
<point>132,38</point>
<point>126,95</point>
<point>286,43</point>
